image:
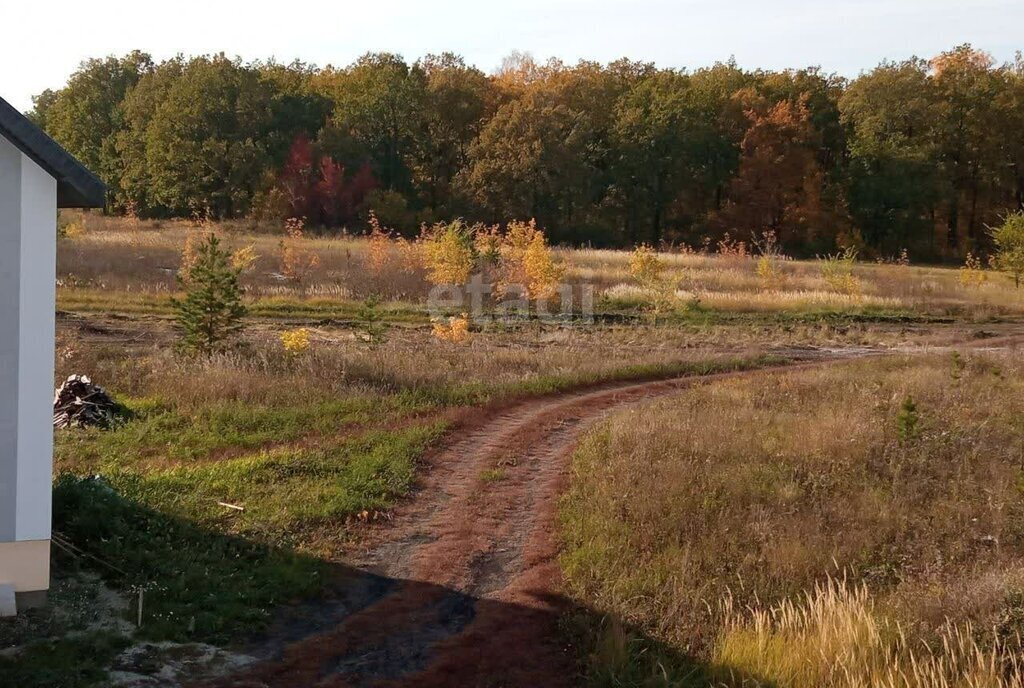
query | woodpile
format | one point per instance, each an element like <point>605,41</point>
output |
<point>79,403</point>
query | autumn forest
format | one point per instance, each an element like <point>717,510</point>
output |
<point>921,156</point>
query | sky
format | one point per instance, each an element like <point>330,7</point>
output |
<point>47,40</point>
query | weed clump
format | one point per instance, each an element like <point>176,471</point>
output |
<point>972,272</point>
<point>454,330</point>
<point>295,342</point>
<point>837,271</point>
<point>296,261</point>
<point>834,637</point>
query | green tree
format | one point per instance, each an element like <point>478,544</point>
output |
<point>138,110</point>
<point>1010,106</point>
<point>894,182</point>
<point>86,116</point>
<point>665,133</point>
<point>212,309</point>
<point>526,157</point>
<point>907,420</point>
<point>297,108</point>
<point>206,141</point>
<point>379,105</point>
<point>456,103</point>
<point>1009,242</point>
<point>42,104</point>
<point>969,150</point>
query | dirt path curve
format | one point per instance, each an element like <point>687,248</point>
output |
<point>463,584</point>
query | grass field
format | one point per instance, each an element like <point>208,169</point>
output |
<point>114,265</point>
<point>683,522</point>
<point>779,529</point>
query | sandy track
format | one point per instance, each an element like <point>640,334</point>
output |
<point>464,582</point>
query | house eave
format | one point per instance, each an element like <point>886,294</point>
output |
<point>77,187</point>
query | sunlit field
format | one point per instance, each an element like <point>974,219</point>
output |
<point>857,525</point>
<point>711,536</point>
<point>116,264</point>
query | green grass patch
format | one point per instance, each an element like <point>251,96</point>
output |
<point>289,489</point>
<point>165,530</point>
<point>481,393</point>
<point>81,300</point>
<point>71,662</point>
<point>157,429</point>
<point>159,303</point>
<point>494,475</point>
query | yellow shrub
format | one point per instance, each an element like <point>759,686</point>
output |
<point>454,330</point>
<point>526,260</point>
<point>73,229</point>
<point>487,241</point>
<point>517,239</point>
<point>295,342</point>
<point>972,273</point>
<point>244,258</point>
<point>837,271</point>
<point>447,252</point>
<point>296,261</point>
<point>649,270</point>
<point>769,273</point>
<point>411,255</point>
<point>645,266</point>
<point>542,272</point>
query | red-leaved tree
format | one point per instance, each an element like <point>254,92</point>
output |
<point>320,192</point>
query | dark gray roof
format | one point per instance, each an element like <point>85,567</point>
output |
<point>77,187</point>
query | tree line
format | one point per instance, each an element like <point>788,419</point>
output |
<point>921,155</point>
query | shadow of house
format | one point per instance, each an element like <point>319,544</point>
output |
<point>305,621</point>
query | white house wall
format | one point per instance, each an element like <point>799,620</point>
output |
<point>10,288</point>
<point>35,364</point>
<point>28,216</point>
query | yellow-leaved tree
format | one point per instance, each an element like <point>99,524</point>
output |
<point>527,261</point>
<point>448,252</point>
<point>648,269</point>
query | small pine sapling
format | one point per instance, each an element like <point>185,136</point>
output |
<point>212,310</point>
<point>908,419</point>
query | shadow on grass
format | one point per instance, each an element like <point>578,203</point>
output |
<point>297,620</point>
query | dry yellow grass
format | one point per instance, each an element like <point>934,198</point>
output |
<point>759,489</point>
<point>833,638</point>
<point>114,256</point>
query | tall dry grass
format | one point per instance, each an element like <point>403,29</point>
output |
<point>833,637</point>
<point>759,488</point>
<point>114,254</point>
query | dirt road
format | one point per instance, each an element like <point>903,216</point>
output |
<point>461,588</point>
